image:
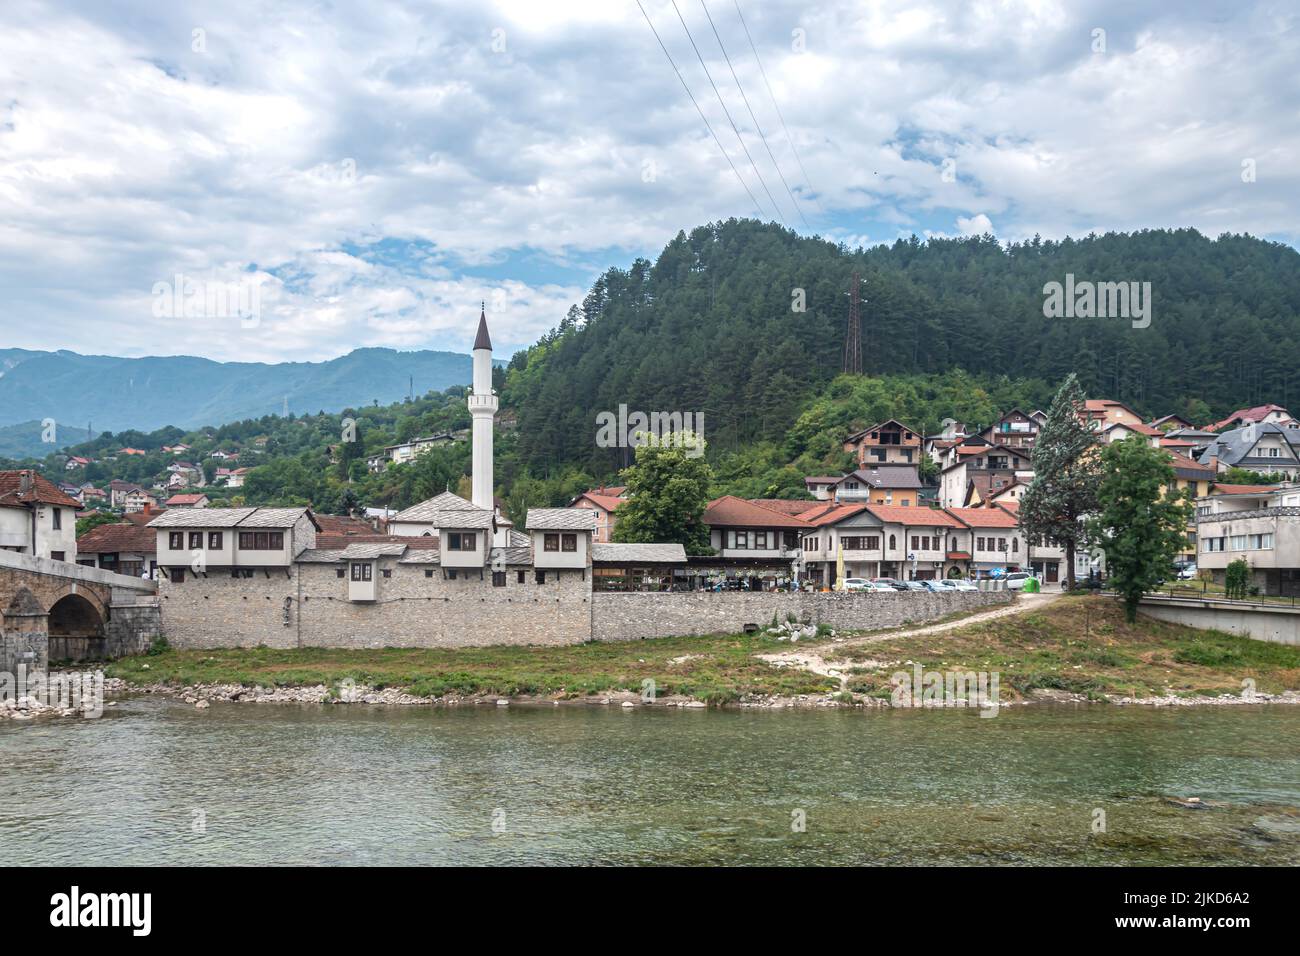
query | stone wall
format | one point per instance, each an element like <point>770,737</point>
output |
<point>24,635</point>
<point>306,605</point>
<point>309,608</point>
<point>620,616</point>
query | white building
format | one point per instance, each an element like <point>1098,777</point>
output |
<point>1261,527</point>
<point>36,518</point>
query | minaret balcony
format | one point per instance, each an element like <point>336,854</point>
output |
<point>482,403</point>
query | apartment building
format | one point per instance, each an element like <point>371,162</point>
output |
<point>1260,524</point>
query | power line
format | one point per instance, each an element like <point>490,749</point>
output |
<point>727,113</point>
<point>806,178</point>
<point>707,124</point>
<point>794,202</point>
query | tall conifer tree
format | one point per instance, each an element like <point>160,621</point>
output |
<point>1066,476</point>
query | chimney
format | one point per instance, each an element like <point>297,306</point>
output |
<point>24,483</point>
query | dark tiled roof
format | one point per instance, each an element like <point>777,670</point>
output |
<point>112,538</point>
<point>39,490</point>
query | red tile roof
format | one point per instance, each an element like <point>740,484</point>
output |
<point>143,517</point>
<point>983,517</point>
<point>901,514</point>
<point>832,514</point>
<point>1256,414</point>
<point>732,512</point>
<point>604,502</point>
<point>343,524</point>
<point>1183,463</point>
<point>786,506</point>
<point>1138,427</point>
<point>1226,489</point>
<point>39,490</point>
<point>185,499</point>
<point>118,537</point>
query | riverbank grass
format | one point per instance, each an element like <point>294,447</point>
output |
<point>1077,644</point>
<point>715,669</point>
<point>1082,645</point>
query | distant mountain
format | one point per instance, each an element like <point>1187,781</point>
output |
<point>24,440</point>
<point>112,394</point>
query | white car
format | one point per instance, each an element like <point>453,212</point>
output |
<point>953,584</point>
<point>857,584</point>
<point>1016,580</point>
<point>1188,573</point>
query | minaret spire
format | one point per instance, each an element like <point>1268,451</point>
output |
<point>483,409</point>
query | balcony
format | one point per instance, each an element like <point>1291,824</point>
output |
<point>1284,512</point>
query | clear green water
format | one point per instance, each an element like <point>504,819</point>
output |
<point>571,785</point>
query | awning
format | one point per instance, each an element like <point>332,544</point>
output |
<point>958,556</point>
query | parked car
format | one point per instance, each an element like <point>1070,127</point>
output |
<point>857,584</point>
<point>890,582</point>
<point>956,584</point>
<point>1187,572</point>
<point>927,585</point>
<point>915,585</point>
<point>880,586</point>
<point>1016,580</point>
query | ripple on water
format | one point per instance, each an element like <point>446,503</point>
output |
<point>545,786</point>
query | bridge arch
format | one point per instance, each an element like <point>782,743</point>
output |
<point>76,627</point>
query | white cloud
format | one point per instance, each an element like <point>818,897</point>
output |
<point>387,166</point>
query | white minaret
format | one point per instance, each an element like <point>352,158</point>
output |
<point>483,408</point>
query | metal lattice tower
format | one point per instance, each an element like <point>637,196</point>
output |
<point>853,334</point>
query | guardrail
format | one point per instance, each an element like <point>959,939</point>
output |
<point>1190,592</point>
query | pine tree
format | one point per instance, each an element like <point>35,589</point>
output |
<point>668,490</point>
<point>1140,528</point>
<point>1066,473</point>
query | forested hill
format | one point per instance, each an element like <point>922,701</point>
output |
<point>709,327</point>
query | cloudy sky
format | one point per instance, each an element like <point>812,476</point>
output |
<point>375,169</point>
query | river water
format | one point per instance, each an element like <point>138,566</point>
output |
<point>156,781</point>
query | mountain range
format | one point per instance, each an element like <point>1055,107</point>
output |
<point>105,393</point>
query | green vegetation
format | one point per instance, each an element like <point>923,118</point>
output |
<point>709,328</point>
<point>1236,579</point>
<point>1085,645</point>
<point>668,488</point>
<point>1066,473</point>
<point>713,669</point>
<point>1141,529</point>
<point>1078,644</point>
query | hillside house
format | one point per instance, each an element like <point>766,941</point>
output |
<point>604,501</point>
<point>1015,430</point>
<point>980,471</point>
<point>879,484</point>
<point>1265,448</point>
<point>890,442</point>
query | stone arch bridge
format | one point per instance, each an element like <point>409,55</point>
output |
<point>57,611</point>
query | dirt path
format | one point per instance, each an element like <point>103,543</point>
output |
<point>825,660</point>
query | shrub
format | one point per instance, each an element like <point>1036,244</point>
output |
<point>1236,579</point>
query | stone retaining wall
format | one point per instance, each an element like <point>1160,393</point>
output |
<point>309,607</point>
<point>617,616</point>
